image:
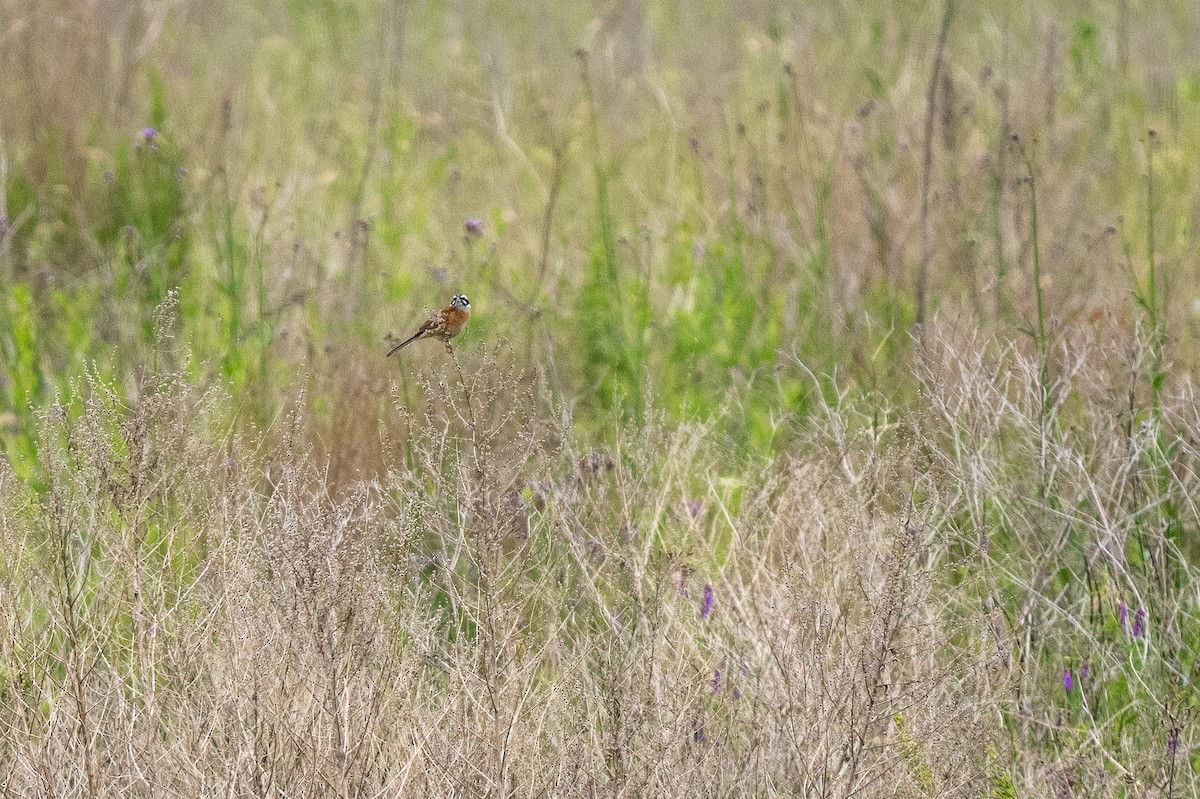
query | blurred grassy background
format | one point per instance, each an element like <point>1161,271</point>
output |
<point>673,195</point>
<point>703,230</point>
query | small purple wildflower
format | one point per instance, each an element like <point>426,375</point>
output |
<point>692,506</point>
<point>473,227</point>
<point>709,600</point>
<point>1068,682</point>
<point>1172,740</point>
<point>1124,618</point>
<point>683,589</point>
<point>148,137</point>
<point>1139,623</point>
<point>717,682</point>
<point>1084,670</point>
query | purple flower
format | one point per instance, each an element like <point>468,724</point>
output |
<point>147,137</point>
<point>474,227</point>
<point>692,506</point>
<point>1172,740</point>
<point>683,592</point>
<point>1084,670</point>
<point>1124,618</point>
<point>1068,682</point>
<point>709,599</point>
<point>717,682</point>
<point>1139,623</point>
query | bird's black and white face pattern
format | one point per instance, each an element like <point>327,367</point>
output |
<point>461,302</point>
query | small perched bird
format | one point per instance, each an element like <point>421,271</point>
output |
<point>445,324</point>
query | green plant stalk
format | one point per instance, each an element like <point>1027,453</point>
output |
<point>603,210</point>
<point>930,108</point>
<point>613,304</point>
<point>260,274</point>
<point>233,280</point>
<point>1151,298</point>
<point>998,186</point>
<point>1042,334</point>
<point>1158,512</point>
<point>1043,338</point>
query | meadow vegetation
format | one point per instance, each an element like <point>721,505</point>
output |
<point>827,424</point>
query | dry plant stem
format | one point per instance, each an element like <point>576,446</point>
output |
<point>462,380</point>
<point>494,633</point>
<point>930,107</point>
<point>72,581</point>
<point>308,661</point>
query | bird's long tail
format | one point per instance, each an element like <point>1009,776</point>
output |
<point>404,344</point>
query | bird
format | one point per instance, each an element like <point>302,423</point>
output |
<point>445,324</point>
